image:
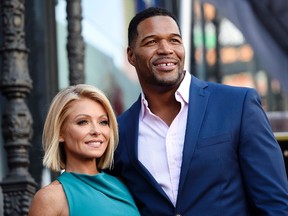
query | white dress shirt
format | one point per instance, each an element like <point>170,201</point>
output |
<point>160,146</point>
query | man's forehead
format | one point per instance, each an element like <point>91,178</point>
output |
<point>158,23</point>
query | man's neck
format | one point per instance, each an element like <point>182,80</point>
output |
<point>164,105</point>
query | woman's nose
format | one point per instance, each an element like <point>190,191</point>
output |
<point>95,130</point>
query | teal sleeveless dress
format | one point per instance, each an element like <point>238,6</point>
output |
<point>96,195</point>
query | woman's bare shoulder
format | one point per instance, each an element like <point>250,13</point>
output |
<point>49,200</point>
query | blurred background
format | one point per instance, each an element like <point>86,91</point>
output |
<point>50,44</point>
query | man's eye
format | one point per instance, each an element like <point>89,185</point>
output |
<point>151,42</point>
<point>175,40</point>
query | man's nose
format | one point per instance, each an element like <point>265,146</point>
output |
<point>164,47</point>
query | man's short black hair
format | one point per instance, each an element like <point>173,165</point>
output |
<point>142,15</point>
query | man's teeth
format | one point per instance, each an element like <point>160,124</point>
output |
<point>167,64</point>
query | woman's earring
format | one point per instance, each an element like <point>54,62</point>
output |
<point>61,140</point>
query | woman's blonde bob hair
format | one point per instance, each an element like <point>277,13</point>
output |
<point>54,155</point>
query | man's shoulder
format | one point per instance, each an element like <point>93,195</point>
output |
<point>231,93</point>
<point>220,89</point>
<point>213,86</point>
<point>133,110</point>
<point>128,120</point>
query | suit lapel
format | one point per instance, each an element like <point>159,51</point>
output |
<point>198,100</point>
<point>132,139</point>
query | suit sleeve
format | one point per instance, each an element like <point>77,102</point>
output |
<point>261,160</point>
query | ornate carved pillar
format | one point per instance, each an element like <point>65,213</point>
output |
<point>75,44</point>
<point>18,186</point>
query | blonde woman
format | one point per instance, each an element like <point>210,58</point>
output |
<point>80,136</point>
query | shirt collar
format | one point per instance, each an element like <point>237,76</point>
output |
<point>183,90</point>
<point>181,95</point>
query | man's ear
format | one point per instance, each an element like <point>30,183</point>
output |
<point>130,56</point>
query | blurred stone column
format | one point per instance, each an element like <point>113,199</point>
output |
<point>18,186</point>
<point>75,43</point>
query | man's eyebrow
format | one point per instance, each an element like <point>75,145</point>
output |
<point>147,37</point>
<point>155,36</point>
<point>177,35</point>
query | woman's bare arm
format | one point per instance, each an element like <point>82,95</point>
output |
<point>50,201</point>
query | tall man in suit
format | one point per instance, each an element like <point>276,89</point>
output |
<point>189,147</point>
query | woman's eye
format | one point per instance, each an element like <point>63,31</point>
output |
<point>82,122</point>
<point>104,122</point>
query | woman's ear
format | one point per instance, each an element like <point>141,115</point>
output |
<point>61,139</point>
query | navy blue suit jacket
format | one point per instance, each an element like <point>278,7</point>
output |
<point>232,164</point>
